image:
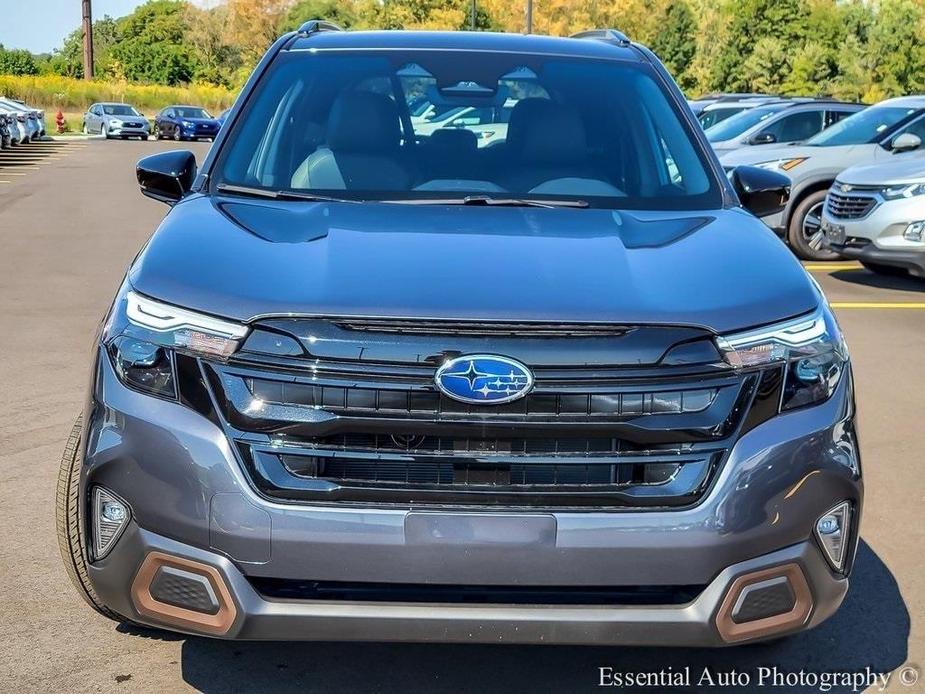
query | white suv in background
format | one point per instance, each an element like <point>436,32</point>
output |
<point>876,214</point>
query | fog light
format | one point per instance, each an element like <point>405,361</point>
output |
<point>832,531</point>
<point>110,516</point>
<point>914,232</point>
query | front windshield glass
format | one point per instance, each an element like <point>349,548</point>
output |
<point>191,112</point>
<point>739,123</point>
<point>425,125</point>
<point>710,117</point>
<point>119,110</point>
<point>862,128</point>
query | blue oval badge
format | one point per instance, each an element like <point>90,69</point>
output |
<point>484,379</point>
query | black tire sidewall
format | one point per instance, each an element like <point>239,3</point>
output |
<point>795,229</point>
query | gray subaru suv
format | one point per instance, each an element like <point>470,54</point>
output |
<point>373,382</point>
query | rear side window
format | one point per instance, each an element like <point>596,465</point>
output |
<point>405,125</point>
<point>796,127</point>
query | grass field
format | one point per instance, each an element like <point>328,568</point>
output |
<point>72,96</point>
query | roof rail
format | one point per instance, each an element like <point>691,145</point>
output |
<point>613,35</point>
<point>314,26</point>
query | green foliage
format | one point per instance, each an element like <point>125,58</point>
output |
<point>676,42</point>
<point>341,13</point>
<point>151,44</point>
<point>17,62</point>
<point>852,49</point>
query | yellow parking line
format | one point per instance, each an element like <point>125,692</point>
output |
<point>880,304</point>
<point>831,267</point>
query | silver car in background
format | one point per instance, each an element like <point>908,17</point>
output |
<point>115,120</point>
<point>780,122</point>
<point>876,214</point>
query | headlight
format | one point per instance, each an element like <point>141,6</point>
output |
<point>115,123</point>
<point>904,191</point>
<point>782,164</point>
<point>187,124</point>
<point>142,336</point>
<point>810,349</point>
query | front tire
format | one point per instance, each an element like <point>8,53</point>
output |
<point>176,135</point>
<point>805,229</point>
<point>104,131</point>
<point>885,270</point>
<point>71,530</point>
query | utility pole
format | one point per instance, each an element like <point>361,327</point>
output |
<point>88,39</point>
<point>472,16</point>
<point>529,16</point>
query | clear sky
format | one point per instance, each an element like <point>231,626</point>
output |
<point>40,27</point>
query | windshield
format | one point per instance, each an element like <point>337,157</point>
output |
<point>739,123</point>
<point>520,126</point>
<point>862,128</point>
<point>710,117</point>
<point>191,112</point>
<point>119,110</point>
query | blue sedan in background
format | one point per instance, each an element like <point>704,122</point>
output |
<point>185,123</point>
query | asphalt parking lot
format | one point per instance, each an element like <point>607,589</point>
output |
<point>71,220</point>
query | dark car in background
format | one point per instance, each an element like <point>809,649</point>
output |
<point>185,123</point>
<point>366,385</point>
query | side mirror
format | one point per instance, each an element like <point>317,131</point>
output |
<point>905,142</point>
<point>167,176</point>
<point>763,139</point>
<point>760,191</point>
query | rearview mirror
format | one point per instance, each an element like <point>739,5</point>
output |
<point>906,142</point>
<point>167,176</point>
<point>760,191</point>
<point>763,139</point>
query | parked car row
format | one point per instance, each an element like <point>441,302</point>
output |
<point>888,131</point>
<point>116,120</point>
<point>19,123</point>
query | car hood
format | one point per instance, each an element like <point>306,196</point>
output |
<point>750,156</point>
<point>200,121</point>
<point>908,169</point>
<point>240,259</point>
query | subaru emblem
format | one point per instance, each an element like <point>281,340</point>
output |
<point>484,379</point>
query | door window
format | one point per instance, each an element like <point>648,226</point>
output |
<point>796,126</point>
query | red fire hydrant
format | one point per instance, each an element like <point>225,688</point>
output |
<point>60,123</point>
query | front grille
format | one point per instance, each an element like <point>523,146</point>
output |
<point>353,428</point>
<point>844,206</point>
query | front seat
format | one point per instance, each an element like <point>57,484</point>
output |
<point>363,148</point>
<point>550,152</point>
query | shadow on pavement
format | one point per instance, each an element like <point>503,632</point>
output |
<point>870,630</point>
<point>870,279</point>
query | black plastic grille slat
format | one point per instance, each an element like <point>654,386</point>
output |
<point>343,470</point>
<point>476,328</point>
<point>443,444</point>
<point>291,589</point>
<point>423,402</point>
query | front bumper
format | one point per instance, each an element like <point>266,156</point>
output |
<point>125,131</point>
<point>878,237</point>
<point>190,499</point>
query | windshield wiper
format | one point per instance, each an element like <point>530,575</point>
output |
<point>276,194</point>
<point>486,201</point>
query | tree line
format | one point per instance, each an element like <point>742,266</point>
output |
<point>853,49</point>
